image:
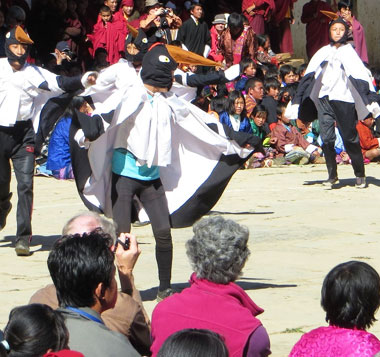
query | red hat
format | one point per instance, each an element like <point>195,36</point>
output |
<point>127,3</point>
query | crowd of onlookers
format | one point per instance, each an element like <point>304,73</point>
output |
<point>73,36</point>
<point>83,314</point>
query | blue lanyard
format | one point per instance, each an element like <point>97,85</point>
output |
<point>85,314</point>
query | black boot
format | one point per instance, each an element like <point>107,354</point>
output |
<point>22,246</point>
<point>5,208</point>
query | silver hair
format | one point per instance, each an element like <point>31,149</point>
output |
<point>108,226</point>
<point>218,249</point>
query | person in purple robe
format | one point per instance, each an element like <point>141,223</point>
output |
<point>358,36</point>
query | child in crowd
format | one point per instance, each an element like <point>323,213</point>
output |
<point>235,115</point>
<point>369,144</point>
<point>263,48</point>
<point>217,105</point>
<point>109,34</point>
<point>300,71</point>
<point>258,121</point>
<point>270,100</point>
<point>287,93</point>
<point>291,143</point>
<point>260,128</point>
<point>247,70</point>
<point>288,74</point>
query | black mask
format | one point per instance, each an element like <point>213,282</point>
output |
<point>141,43</point>
<point>158,67</point>
<point>10,39</point>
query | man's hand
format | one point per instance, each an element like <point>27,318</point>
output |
<point>126,259</point>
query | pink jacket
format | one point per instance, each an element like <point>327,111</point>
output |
<point>335,341</point>
<point>224,309</point>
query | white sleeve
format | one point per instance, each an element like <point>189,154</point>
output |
<point>206,51</point>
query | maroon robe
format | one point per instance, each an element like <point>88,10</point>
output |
<point>262,13</point>
<point>281,35</point>
<point>112,38</point>
<point>317,28</point>
<point>359,40</point>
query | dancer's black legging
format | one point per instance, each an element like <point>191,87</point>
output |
<point>152,197</point>
<point>344,115</point>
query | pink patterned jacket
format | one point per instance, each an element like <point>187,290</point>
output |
<point>336,341</point>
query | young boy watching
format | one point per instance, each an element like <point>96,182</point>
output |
<point>270,100</point>
<point>291,143</point>
<point>247,70</point>
<point>369,144</point>
<point>108,34</point>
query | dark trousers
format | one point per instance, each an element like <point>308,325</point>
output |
<point>345,116</point>
<point>17,144</point>
<point>152,197</point>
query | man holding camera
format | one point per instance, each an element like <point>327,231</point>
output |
<point>157,22</point>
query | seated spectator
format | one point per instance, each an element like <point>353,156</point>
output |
<point>263,48</point>
<point>254,93</point>
<point>128,316</point>
<point>258,121</point>
<point>248,71</point>
<point>217,252</point>
<point>217,105</point>
<point>288,74</point>
<point>235,116</point>
<point>219,25</point>
<point>369,144</point>
<point>291,143</point>
<point>109,34</point>
<point>34,330</point>
<point>350,298</point>
<point>300,71</point>
<point>83,272</point>
<point>194,343</point>
<point>287,93</point>
<point>237,41</point>
<point>270,100</point>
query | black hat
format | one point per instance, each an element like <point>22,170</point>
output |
<point>158,67</point>
<point>14,37</point>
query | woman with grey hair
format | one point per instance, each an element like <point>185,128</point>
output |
<point>217,252</point>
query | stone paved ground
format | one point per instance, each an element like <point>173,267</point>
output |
<point>299,231</point>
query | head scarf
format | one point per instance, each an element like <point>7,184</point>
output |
<point>129,3</point>
<point>14,37</point>
<point>158,67</point>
